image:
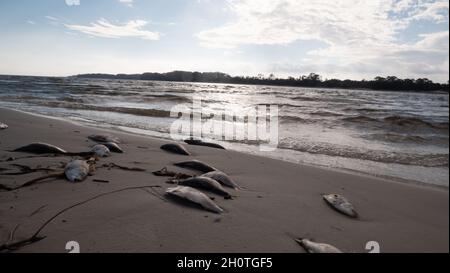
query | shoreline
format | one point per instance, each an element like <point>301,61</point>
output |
<point>402,217</point>
<point>113,128</point>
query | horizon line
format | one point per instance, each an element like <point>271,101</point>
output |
<point>233,76</point>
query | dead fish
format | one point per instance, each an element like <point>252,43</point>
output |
<point>196,197</point>
<point>105,138</point>
<point>101,151</point>
<point>205,183</point>
<point>312,247</point>
<point>175,148</point>
<point>3,126</point>
<point>196,142</point>
<point>341,204</point>
<point>196,165</point>
<point>77,171</point>
<point>113,147</point>
<point>41,148</point>
<point>222,178</point>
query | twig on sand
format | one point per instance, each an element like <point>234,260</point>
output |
<point>8,247</point>
<point>11,235</point>
<point>156,194</point>
<point>84,155</point>
<point>4,188</point>
<point>100,181</point>
<point>29,157</point>
<point>116,166</point>
<point>27,170</point>
<point>32,182</point>
<point>37,211</point>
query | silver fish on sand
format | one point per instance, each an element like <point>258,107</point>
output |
<point>205,183</point>
<point>105,138</point>
<point>3,126</point>
<point>196,165</point>
<point>77,171</point>
<point>175,148</point>
<point>113,147</point>
<point>222,178</point>
<point>41,148</point>
<point>196,197</point>
<point>101,151</point>
<point>312,247</point>
<point>341,204</point>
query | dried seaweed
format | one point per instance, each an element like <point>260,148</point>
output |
<point>165,172</point>
<point>125,168</point>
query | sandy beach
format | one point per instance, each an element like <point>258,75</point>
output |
<point>280,201</point>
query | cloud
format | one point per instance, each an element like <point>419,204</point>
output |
<point>416,10</point>
<point>51,18</point>
<point>127,2</point>
<point>53,21</point>
<point>105,29</point>
<point>73,2</point>
<point>266,22</point>
<point>357,33</point>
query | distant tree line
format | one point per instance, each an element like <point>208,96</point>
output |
<point>311,80</point>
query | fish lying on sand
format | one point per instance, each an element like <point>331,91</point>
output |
<point>175,148</point>
<point>205,183</point>
<point>222,178</point>
<point>205,144</point>
<point>101,151</point>
<point>341,204</point>
<point>3,126</point>
<point>77,171</point>
<point>196,165</point>
<point>113,147</point>
<point>41,148</point>
<point>196,197</point>
<point>105,139</point>
<point>312,247</point>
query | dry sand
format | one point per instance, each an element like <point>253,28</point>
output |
<point>281,201</point>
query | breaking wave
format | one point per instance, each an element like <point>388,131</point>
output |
<point>398,121</point>
<point>427,160</point>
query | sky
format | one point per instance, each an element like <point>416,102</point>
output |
<point>344,39</point>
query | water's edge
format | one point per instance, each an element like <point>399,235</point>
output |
<point>132,132</point>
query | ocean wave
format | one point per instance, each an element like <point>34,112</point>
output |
<point>123,110</point>
<point>112,93</point>
<point>304,98</point>
<point>291,105</point>
<point>167,97</point>
<point>329,149</point>
<point>398,138</point>
<point>281,105</point>
<point>360,119</point>
<point>398,122</point>
<point>72,99</point>
<point>326,114</point>
<point>292,119</point>
<point>414,122</point>
<point>367,110</point>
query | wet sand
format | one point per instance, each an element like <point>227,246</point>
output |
<point>281,201</point>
